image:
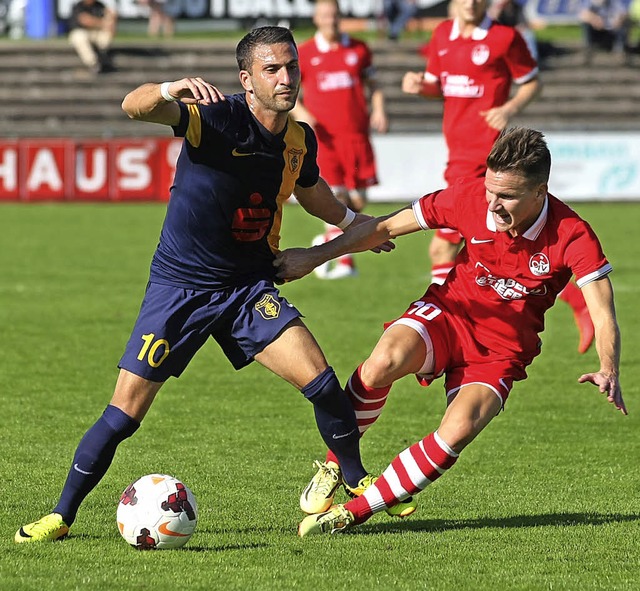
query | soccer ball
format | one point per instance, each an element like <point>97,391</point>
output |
<point>157,511</point>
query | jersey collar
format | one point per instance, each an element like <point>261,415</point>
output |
<point>479,33</point>
<point>324,46</point>
<point>534,231</point>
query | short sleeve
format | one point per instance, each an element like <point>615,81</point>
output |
<point>584,256</point>
<point>310,172</point>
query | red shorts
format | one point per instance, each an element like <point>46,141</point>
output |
<point>452,351</point>
<point>463,169</point>
<point>346,160</point>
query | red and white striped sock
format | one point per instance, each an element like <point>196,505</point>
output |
<point>439,272</point>
<point>409,473</point>
<point>367,403</point>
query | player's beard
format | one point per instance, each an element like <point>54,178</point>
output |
<point>277,102</point>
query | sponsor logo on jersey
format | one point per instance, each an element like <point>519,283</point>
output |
<point>314,61</point>
<point>293,156</point>
<point>459,85</point>
<point>480,54</point>
<point>475,240</point>
<point>268,307</point>
<point>539,264</point>
<point>328,81</point>
<point>506,287</point>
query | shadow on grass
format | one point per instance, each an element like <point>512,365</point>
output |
<point>516,521</point>
<point>223,548</point>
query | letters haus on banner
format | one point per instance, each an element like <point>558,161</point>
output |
<point>87,170</point>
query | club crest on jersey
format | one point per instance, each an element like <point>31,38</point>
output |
<point>351,59</point>
<point>293,157</point>
<point>539,264</point>
<point>480,54</point>
<point>268,307</point>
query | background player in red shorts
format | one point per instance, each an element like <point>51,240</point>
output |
<point>337,74</point>
<point>472,63</point>
<point>481,327</point>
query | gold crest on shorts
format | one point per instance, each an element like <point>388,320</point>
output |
<point>268,307</point>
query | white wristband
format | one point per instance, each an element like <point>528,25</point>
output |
<point>349,216</point>
<point>164,91</point>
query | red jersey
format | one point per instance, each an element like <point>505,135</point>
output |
<point>501,286</point>
<point>475,74</point>
<point>333,84</point>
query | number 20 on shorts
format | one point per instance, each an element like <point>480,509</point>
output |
<point>151,347</point>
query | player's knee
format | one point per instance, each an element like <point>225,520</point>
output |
<point>323,388</point>
<point>376,371</point>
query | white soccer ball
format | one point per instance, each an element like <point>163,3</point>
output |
<point>157,511</point>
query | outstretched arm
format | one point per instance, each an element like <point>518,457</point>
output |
<point>156,102</point>
<point>599,298</point>
<point>368,235</point>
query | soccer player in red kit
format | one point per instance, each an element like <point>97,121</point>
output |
<point>337,77</point>
<point>472,63</point>
<point>480,329</point>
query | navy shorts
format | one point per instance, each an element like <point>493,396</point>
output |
<point>175,322</point>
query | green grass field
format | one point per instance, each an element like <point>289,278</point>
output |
<point>546,498</point>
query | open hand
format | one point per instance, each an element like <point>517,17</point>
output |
<point>607,384</point>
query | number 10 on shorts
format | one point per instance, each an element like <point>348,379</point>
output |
<point>151,348</point>
<point>425,310</point>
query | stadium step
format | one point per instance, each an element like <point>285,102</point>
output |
<point>46,92</point>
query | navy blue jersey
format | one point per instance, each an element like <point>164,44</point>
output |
<point>222,226</point>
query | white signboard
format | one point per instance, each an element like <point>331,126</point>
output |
<point>585,166</point>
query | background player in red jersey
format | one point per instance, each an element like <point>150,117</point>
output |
<point>472,63</point>
<point>481,327</point>
<point>337,74</point>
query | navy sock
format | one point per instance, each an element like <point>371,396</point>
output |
<point>337,424</point>
<point>92,459</point>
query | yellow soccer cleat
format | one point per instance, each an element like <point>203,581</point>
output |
<point>50,527</point>
<point>318,496</point>
<point>402,509</point>
<point>330,522</point>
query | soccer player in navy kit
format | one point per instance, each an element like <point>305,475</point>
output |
<point>212,273</point>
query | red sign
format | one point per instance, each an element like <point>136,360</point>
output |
<point>134,169</point>
<point>169,152</point>
<point>45,169</point>
<point>91,179</point>
<point>88,170</point>
<point>8,170</point>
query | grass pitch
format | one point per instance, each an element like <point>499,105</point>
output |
<point>545,498</point>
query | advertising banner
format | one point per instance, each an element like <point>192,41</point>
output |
<point>585,167</point>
